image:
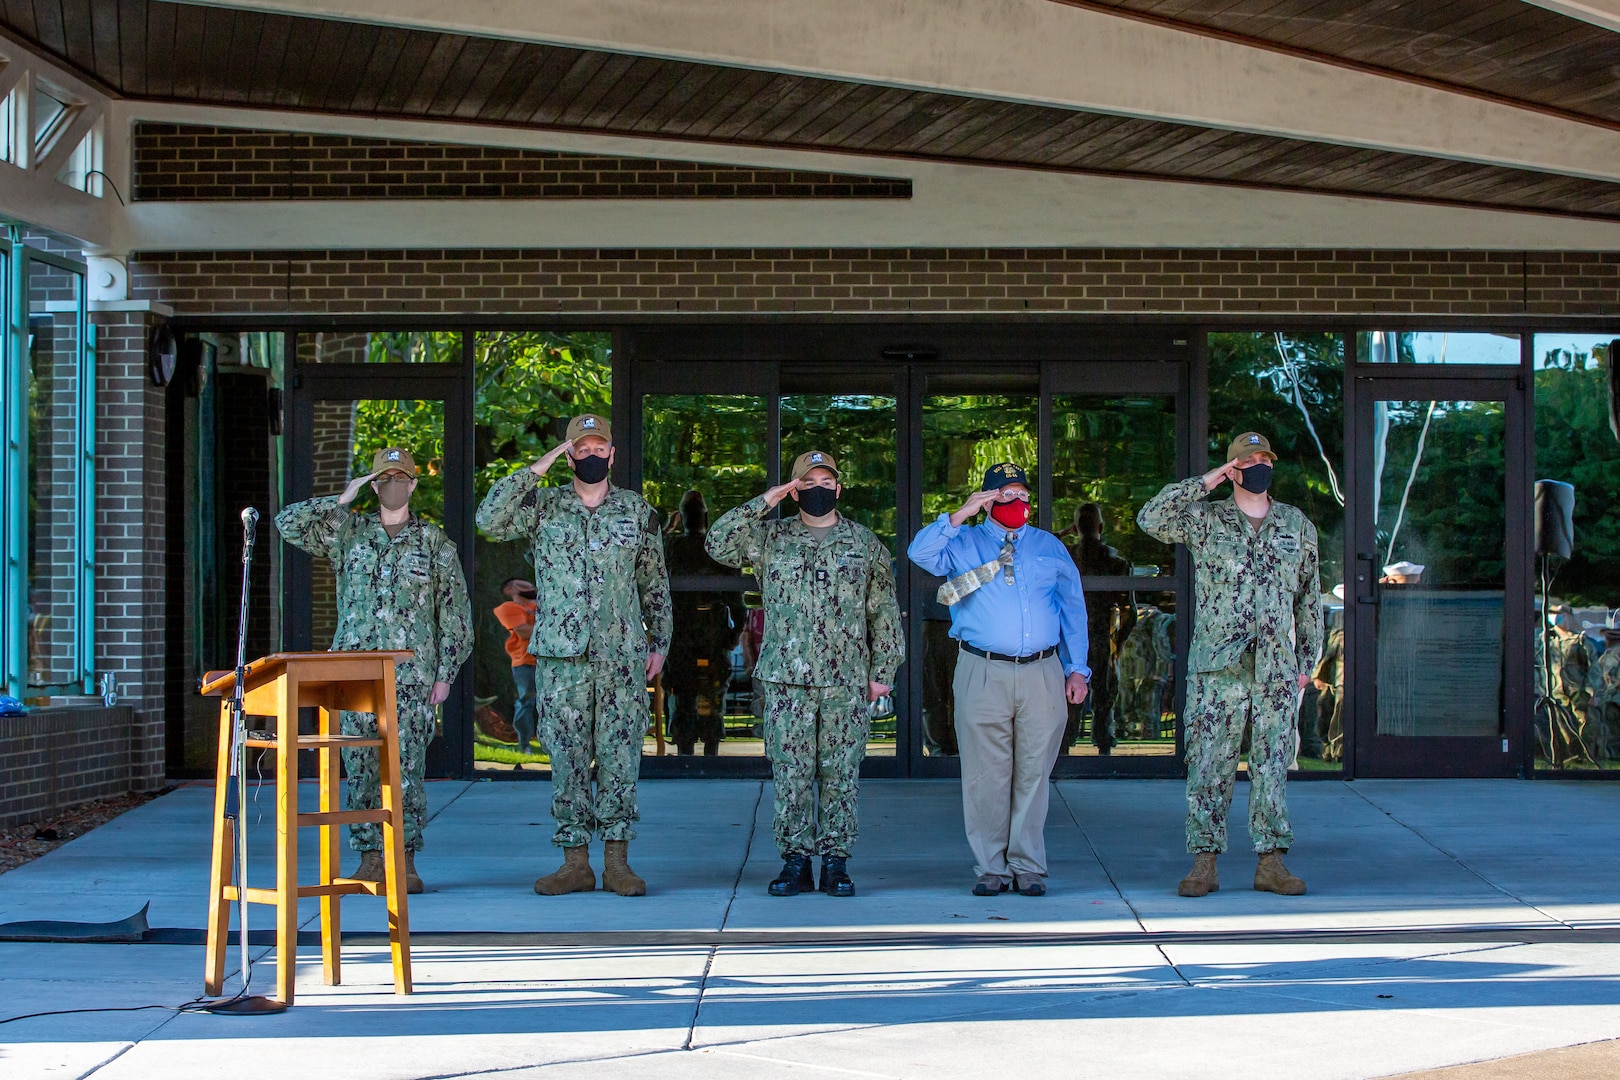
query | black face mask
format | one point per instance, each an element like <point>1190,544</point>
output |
<point>1256,478</point>
<point>818,501</point>
<point>591,469</point>
<point>527,594</point>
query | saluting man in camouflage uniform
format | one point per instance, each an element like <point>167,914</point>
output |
<point>399,586</point>
<point>832,645</point>
<point>1257,630</point>
<point>602,624</point>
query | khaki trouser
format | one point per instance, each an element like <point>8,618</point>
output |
<point>1009,727</point>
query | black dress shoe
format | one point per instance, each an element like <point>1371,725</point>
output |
<point>834,878</point>
<point>795,877</point>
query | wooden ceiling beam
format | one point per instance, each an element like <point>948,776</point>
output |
<point>1035,52</point>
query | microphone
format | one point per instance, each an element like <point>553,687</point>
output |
<point>250,528</point>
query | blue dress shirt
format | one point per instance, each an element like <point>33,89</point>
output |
<point>1044,606</point>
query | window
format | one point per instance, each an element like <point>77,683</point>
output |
<point>48,477</point>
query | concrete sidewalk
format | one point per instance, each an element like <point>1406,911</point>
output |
<point>1448,922</point>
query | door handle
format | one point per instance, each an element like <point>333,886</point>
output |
<point>1373,593</point>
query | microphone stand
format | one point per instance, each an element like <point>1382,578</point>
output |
<point>244,1003</point>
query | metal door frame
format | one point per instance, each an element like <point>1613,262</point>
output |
<point>451,756</point>
<point>1511,752</point>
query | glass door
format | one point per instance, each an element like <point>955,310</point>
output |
<point>340,413</point>
<point>1115,438</point>
<point>703,440</point>
<point>1440,582</point>
<point>963,424</point>
<point>854,415</point>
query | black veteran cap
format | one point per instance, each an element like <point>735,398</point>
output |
<point>997,477</point>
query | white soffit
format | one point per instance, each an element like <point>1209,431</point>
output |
<point>1033,51</point>
<point>952,205</point>
<point>1604,13</point>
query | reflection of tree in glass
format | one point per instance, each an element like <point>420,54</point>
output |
<point>859,431</point>
<point>714,443</point>
<point>965,434</point>
<point>414,347</point>
<point>527,387</point>
<point>1117,453</point>
<point>1453,522</point>
<point>1574,444</point>
<point>1286,385</point>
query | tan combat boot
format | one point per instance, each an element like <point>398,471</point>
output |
<point>1272,876</point>
<point>413,880</point>
<point>574,875</point>
<point>1202,880</point>
<point>616,872</point>
<point>371,867</point>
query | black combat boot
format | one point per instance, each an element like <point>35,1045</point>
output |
<point>795,877</point>
<point>834,878</point>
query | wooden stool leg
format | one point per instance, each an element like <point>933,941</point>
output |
<point>399,934</point>
<point>287,844</point>
<point>219,876</point>
<point>331,911</point>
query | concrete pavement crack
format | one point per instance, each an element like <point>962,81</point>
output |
<point>725,917</point>
<point>1454,857</point>
<point>1062,798</point>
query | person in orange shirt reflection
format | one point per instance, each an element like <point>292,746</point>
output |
<point>517,616</point>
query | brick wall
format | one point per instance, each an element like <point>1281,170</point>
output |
<point>331,456</point>
<point>175,162</point>
<point>973,280</point>
<point>131,535</point>
<point>53,759</point>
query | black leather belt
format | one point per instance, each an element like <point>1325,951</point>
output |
<point>1030,659</point>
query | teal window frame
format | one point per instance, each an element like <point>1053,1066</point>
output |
<point>19,260</point>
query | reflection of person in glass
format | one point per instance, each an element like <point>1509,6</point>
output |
<point>1019,615</point>
<point>1109,619</point>
<point>706,628</point>
<point>832,646</point>
<point>1256,634</point>
<point>601,631</point>
<point>517,616</point>
<point>1402,573</point>
<point>399,586</point>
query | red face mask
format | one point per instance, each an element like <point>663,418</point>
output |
<point>1010,515</point>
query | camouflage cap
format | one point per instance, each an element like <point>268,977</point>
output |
<point>589,424</point>
<point>393,458</point>
<point>813,459</point>
<point>1250,442</point>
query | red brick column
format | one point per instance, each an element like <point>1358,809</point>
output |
<point>131,533</point>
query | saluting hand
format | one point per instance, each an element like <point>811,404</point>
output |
<point>353,490</point>
<point>539,468</point>
<point>780,491</point>
<point>1216,477</point>
<point>975,502</point>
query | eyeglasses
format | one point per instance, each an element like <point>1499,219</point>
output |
<point>384,481</point>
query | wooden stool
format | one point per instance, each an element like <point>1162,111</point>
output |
<point>278,685</point>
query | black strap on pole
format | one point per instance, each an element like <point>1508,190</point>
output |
<point>244,1003</point>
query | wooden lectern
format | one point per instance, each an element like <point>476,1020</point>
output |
<point>277,686</point>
